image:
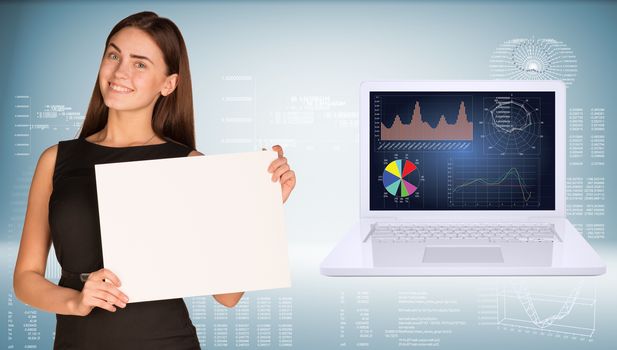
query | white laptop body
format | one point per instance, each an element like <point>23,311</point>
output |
<point>460,155</point>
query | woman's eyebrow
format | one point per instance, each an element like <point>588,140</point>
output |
<point>115,47</point>
<point>131,55</point>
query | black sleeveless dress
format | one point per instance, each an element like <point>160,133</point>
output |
<point>75,232</point>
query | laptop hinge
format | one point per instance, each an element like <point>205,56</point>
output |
<point>381,218</point>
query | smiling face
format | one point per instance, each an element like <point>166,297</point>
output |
<point>133,73</point>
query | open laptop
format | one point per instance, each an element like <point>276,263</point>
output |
<point>462,178</point>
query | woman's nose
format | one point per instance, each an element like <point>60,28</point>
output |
<point>122,70</point>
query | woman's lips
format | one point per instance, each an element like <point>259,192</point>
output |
<point>119,88</point>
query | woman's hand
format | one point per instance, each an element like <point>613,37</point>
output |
<point>282,172</point>
<point>100,290</point>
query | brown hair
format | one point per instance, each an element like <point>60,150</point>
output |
<point>172,116</point>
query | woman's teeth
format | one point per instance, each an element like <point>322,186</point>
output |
<point>119,88</point>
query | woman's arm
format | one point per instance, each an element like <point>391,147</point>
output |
<point>29,281</point>
<point>229,299</point>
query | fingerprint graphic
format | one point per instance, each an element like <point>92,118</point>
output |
<point>534,59</point>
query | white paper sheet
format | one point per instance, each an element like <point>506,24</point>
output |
<point>191,226</point>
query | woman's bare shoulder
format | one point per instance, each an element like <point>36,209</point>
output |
<point>44,172</point>
<point>47,161</point>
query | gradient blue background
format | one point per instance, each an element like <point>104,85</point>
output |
<point>304,62</point>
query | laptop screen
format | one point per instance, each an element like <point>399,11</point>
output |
<point>462,150</point>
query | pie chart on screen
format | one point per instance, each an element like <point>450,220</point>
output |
<point>400,178</point>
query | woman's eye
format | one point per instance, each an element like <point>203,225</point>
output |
<point>113,56</point>
<point>140,65</point>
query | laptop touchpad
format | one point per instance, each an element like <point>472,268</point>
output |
<point>462,254</point>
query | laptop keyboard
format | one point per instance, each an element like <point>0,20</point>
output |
<point>459,233</point>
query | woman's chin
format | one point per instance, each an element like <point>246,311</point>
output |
<point>117,105</point>
<point>123,104</point>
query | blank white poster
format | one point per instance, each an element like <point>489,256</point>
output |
<point>191,226</point>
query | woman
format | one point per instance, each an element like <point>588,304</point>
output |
<point>141,108</point>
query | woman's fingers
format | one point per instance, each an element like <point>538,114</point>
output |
<point>276,163</point>
<point>278,149</point>
<point>105,274</point>
<point>101,290</point>
<point>280,171</point>
<point>103,305</point>
<point>105,281</point>
<point>278,167</point>
<point>98,298</point>
<point>100,278</point>
<point>110,276</point>
<point>104,295</point>
<point>108,298</point>
<point>289,178</point>
<point>113,291</point>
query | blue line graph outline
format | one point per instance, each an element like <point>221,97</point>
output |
<point>573,314</point>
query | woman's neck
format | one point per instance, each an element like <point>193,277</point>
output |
<point>127,129</point>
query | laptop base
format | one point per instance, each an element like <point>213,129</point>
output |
<point>357,255</point>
